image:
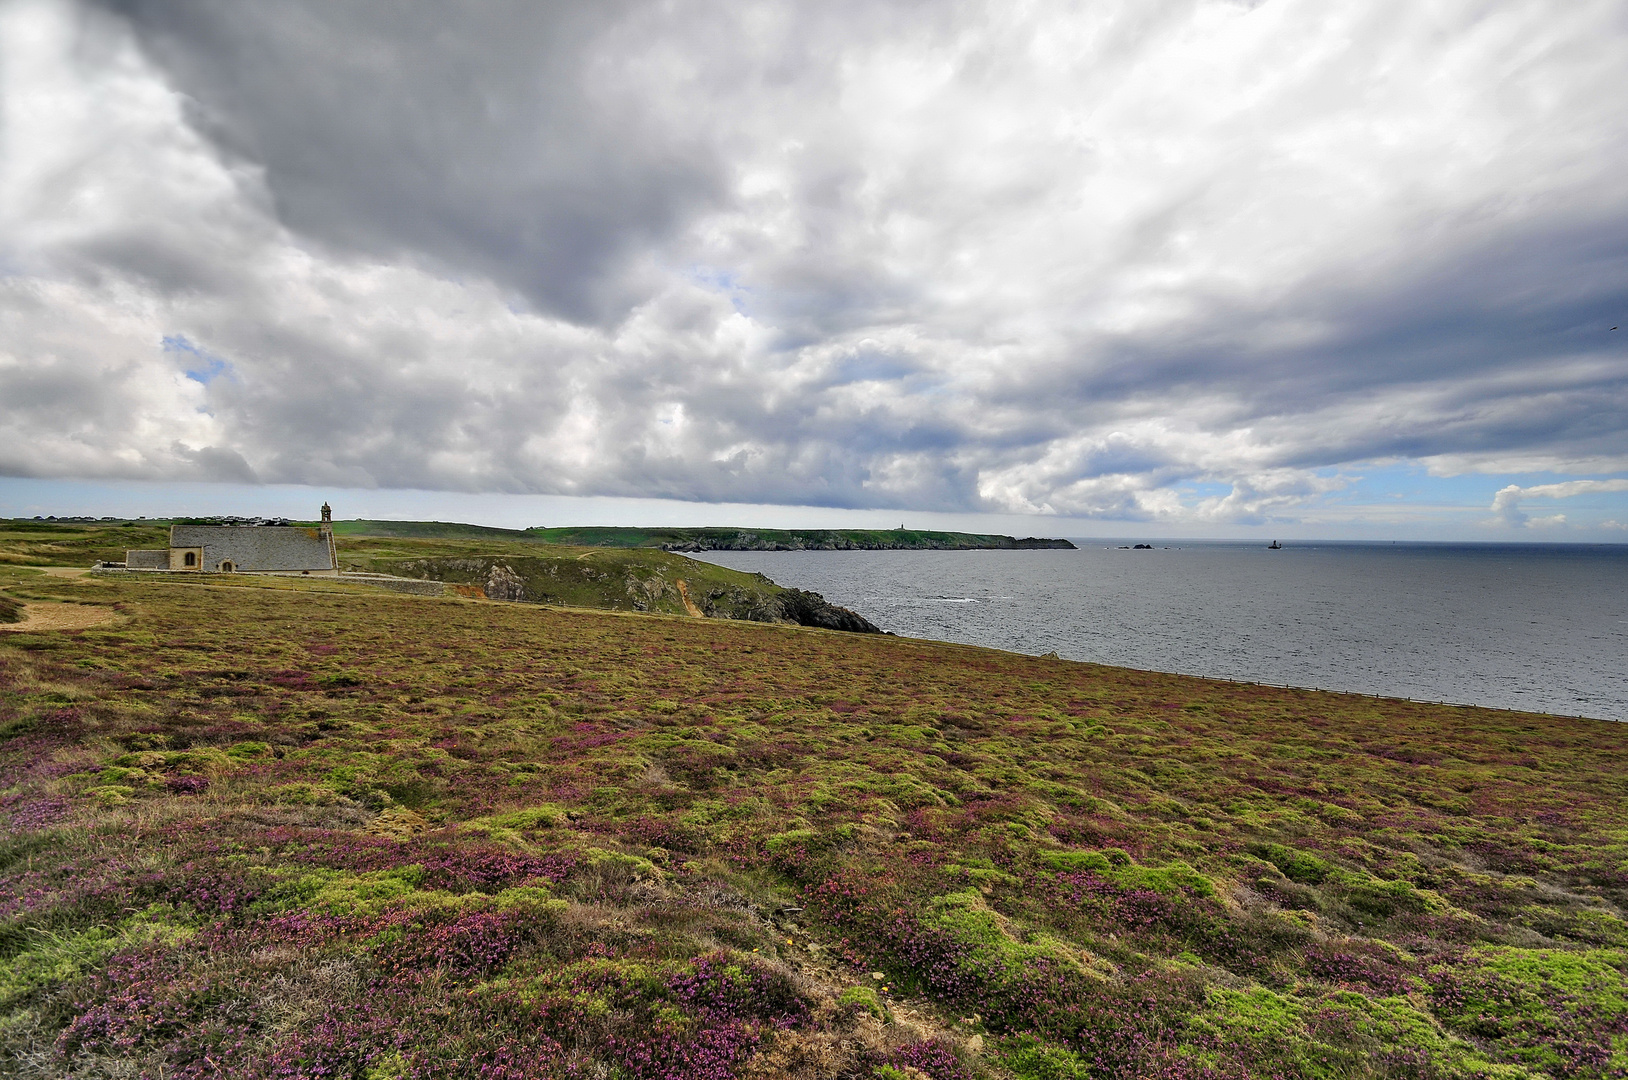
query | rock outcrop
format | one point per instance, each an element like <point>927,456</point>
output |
<point>502,583</point>
<point>812,609</point>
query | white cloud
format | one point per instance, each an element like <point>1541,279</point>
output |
<point>1176,261</point>
<point>1507,502</point>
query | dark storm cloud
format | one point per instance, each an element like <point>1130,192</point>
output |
<point>492,138</point>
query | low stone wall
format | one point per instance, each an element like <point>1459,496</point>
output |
<point>378,581</point>
<point>395,584</point>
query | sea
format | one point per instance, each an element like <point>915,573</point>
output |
<point>1537,627</point>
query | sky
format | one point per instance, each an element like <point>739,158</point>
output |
<point>1333,268</point>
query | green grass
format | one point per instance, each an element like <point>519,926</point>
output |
<point>294,828</point>
<point>781,539</point>
<point>707,538</point>
<point>48,543</point>
<point>612,579</point>
<point>429,530</point>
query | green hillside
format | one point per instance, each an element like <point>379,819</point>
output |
<point>706,539</point>
<point>615,579</point>
<point>26,542</point>
<point>428,530</point>
<point>788,539</point>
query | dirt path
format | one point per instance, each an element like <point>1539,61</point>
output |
<point>689,605</point>
<point>60,617</point>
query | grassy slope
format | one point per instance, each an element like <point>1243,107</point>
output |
<point>48,543</point>
<point>579,577</point>
<point>615,579</point>
<point>624,537</point>
<point>774,538</point>
<point>286,828</point>
<point>428,530</point>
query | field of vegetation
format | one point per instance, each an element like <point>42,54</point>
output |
<point>41,543</point>
<point>294,828</point>
<point>653,581</point>
<point>678,539</point>
<point>502,564</point>
<point>613,579</point>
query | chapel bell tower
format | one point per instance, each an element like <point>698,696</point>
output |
<point>327,532</point>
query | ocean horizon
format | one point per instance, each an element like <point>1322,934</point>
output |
<point>1540,627</point>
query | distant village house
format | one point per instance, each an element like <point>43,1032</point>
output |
<point>245,549</point>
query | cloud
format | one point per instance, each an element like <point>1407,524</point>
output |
<point>1507,502</point>
<point>216,463</point>
<point>501,139</point>
<point>1175,261</point>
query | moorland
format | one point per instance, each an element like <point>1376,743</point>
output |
<point>284,827</point>
<point>480,562</point>
<point>711,539</point>
<point>610,578</point>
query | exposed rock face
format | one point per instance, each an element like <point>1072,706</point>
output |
<point>502,583</point>
<point>812,609</point>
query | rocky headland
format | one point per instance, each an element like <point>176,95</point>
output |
<point>854,540</point>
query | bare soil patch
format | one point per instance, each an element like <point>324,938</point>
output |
<point>689,605</point>
<point>37,617</point>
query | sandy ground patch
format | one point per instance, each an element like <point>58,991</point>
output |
<point>60,617</point>
<point>689,605</point>
<point>63,571</point>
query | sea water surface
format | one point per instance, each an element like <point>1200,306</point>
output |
<point>1541,627</point>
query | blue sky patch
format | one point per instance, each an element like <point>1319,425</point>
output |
<point>207,367</point>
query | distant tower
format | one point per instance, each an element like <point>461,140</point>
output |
<point>328,535</point>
